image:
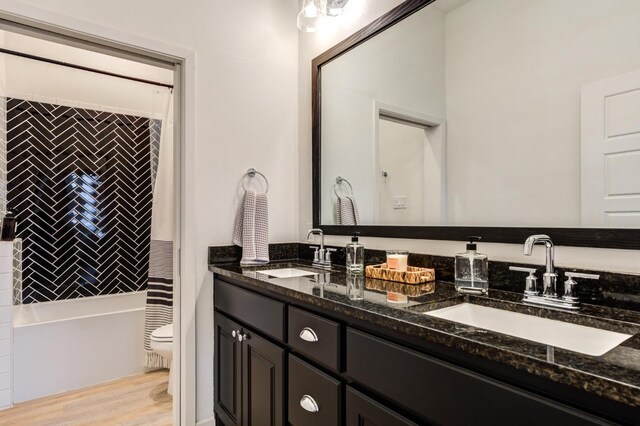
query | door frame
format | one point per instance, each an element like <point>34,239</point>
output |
<point>53,26</point>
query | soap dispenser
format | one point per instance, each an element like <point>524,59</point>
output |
<point>355,256</point>
<point>472,270</point>
<point>9,226</point>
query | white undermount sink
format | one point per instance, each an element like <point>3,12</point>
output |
<point>577,338</point>
<point>286,272</point>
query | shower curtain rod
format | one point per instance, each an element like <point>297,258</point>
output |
<point>82,68</point>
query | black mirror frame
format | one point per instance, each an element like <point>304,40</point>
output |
<point>578,237</point>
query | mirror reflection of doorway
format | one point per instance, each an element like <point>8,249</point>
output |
<point>411,168</point>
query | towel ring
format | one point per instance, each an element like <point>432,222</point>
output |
<point>252,173</point>
<point>339,181</point>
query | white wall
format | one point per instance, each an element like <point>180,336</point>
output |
<point>246,116</point>
<point>514,102</point>
<point>44,82</point>
<point>311,45</point>
<point>6,315</point>
<point>400,58</point>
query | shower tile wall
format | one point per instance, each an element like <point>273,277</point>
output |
<point>3,156</point>
<point>81,182</point>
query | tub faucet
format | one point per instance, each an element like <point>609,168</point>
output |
<point>550,277</point>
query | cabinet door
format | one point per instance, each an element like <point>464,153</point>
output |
<point>446,394</point>
<point>228,371</point>
<point>364,411</point>
<point>263,382</point>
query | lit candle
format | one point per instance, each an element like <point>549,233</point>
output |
<point>397,260</point>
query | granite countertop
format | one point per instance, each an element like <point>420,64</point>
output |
<point>614,375</point>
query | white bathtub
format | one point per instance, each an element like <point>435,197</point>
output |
<point>70,344</point>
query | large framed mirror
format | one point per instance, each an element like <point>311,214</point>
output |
<point>449,118</point>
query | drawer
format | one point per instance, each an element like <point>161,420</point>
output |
<point>314,336</point>
<point>445,394</point>
<point>260,312</point>
<point>362,410</point>
<point>317,391</point>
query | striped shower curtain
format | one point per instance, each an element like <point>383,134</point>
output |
<point>159,309</point>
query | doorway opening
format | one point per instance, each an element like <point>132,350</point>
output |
<point>90,164</point>
<point>410,159</point>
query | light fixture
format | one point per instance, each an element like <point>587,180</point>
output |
<point>312,12</point>
<point>310,15</point>
<point>335,7</point>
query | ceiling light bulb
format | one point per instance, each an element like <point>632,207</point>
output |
<point>336,7</point>
<point>310,11</point>
<point>310,16</point>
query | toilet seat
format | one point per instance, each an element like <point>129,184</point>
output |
<point>163,334</point>
<point>161,342</point>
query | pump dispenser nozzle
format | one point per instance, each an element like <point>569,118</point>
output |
<point>472,243</point>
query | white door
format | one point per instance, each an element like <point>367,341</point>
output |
<point>610,151</point>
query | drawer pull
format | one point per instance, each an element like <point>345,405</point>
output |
<point>308,403</point>
<point>308,335</point>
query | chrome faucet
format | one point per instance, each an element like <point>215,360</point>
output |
<point>550,277</point>
<point>549,296</point>
<point>321,256</point>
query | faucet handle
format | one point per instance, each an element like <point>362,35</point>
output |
<point>570,284</point>
<point>522,269</point>
<point>531,282</point>
<point>327,254</point>
<point>316,253</point>
<point>581,275</point>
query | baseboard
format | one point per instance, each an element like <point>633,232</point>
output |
<point>209,421</point>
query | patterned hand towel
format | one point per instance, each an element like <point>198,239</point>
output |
<point>252,229</point>
<point>348,211</point>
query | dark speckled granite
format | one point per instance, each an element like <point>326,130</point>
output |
<point>612,289</point>
<point>614,375</point>
<point>230,254</point>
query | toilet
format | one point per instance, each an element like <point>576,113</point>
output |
<point>161,341</point>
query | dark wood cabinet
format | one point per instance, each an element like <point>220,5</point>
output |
<point>261,313</point>
<point>262,381</point>
<point>228,369</point>
<point>364,411</point>
<point>442,393</point>
<point>348,375</point>
<point>249,376</point>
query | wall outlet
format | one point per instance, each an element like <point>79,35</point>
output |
<point>400,202</point>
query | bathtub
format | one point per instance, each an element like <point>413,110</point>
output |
<point>70,344</point>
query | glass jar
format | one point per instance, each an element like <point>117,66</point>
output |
<point>397,260</point>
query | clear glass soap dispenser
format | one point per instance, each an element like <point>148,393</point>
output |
<point>355,256</point>
<point>472,270</point>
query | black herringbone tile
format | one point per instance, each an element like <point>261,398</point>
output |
<point>82,181</point>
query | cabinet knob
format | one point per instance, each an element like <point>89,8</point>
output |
<point>308,335</point>
<point>308,403</point>
<point>234,334</point>
<point>242,337</point>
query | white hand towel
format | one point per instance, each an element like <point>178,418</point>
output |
<point>252,229</point>
<point>348,210</point>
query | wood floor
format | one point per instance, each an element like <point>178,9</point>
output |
<point>135,400</point>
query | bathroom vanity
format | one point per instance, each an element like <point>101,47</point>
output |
<point>299,351</point>
<point>439,120</point>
